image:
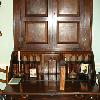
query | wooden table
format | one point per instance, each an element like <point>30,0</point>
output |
<point>49,90</point>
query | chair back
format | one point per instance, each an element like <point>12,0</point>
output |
<point>6,72</point>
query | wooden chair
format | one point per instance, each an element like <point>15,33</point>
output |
<point>6,72</point>
<point>3,97</point>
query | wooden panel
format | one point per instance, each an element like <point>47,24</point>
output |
<point>34,28</point>
<point>68,32</point>
<point>36,32</point>
<point>36,7</point>
<point>50,63</point>
<point>86,24</point>
<point>66,25</point>
<point>68,7</point>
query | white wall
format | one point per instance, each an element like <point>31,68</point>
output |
<point>96,33</point>
<point>6,26</point>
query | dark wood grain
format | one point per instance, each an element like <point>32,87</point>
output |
<point>41,89</point>
<point>48,63</point>
<point>36,87</point>
<point>46,32</point>
<point>52,25</point>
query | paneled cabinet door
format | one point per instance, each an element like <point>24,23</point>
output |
<point>32,24</point>
<point>52,25</point>
<point>72,25</point>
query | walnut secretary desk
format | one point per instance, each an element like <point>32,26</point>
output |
<point>47,32</point>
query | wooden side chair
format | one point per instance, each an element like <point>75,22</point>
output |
<point>5,80</point>
<point>6,72</point>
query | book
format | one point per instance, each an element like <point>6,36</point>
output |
<point>14,81</point>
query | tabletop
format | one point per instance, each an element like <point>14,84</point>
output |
<point>36,87</point>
